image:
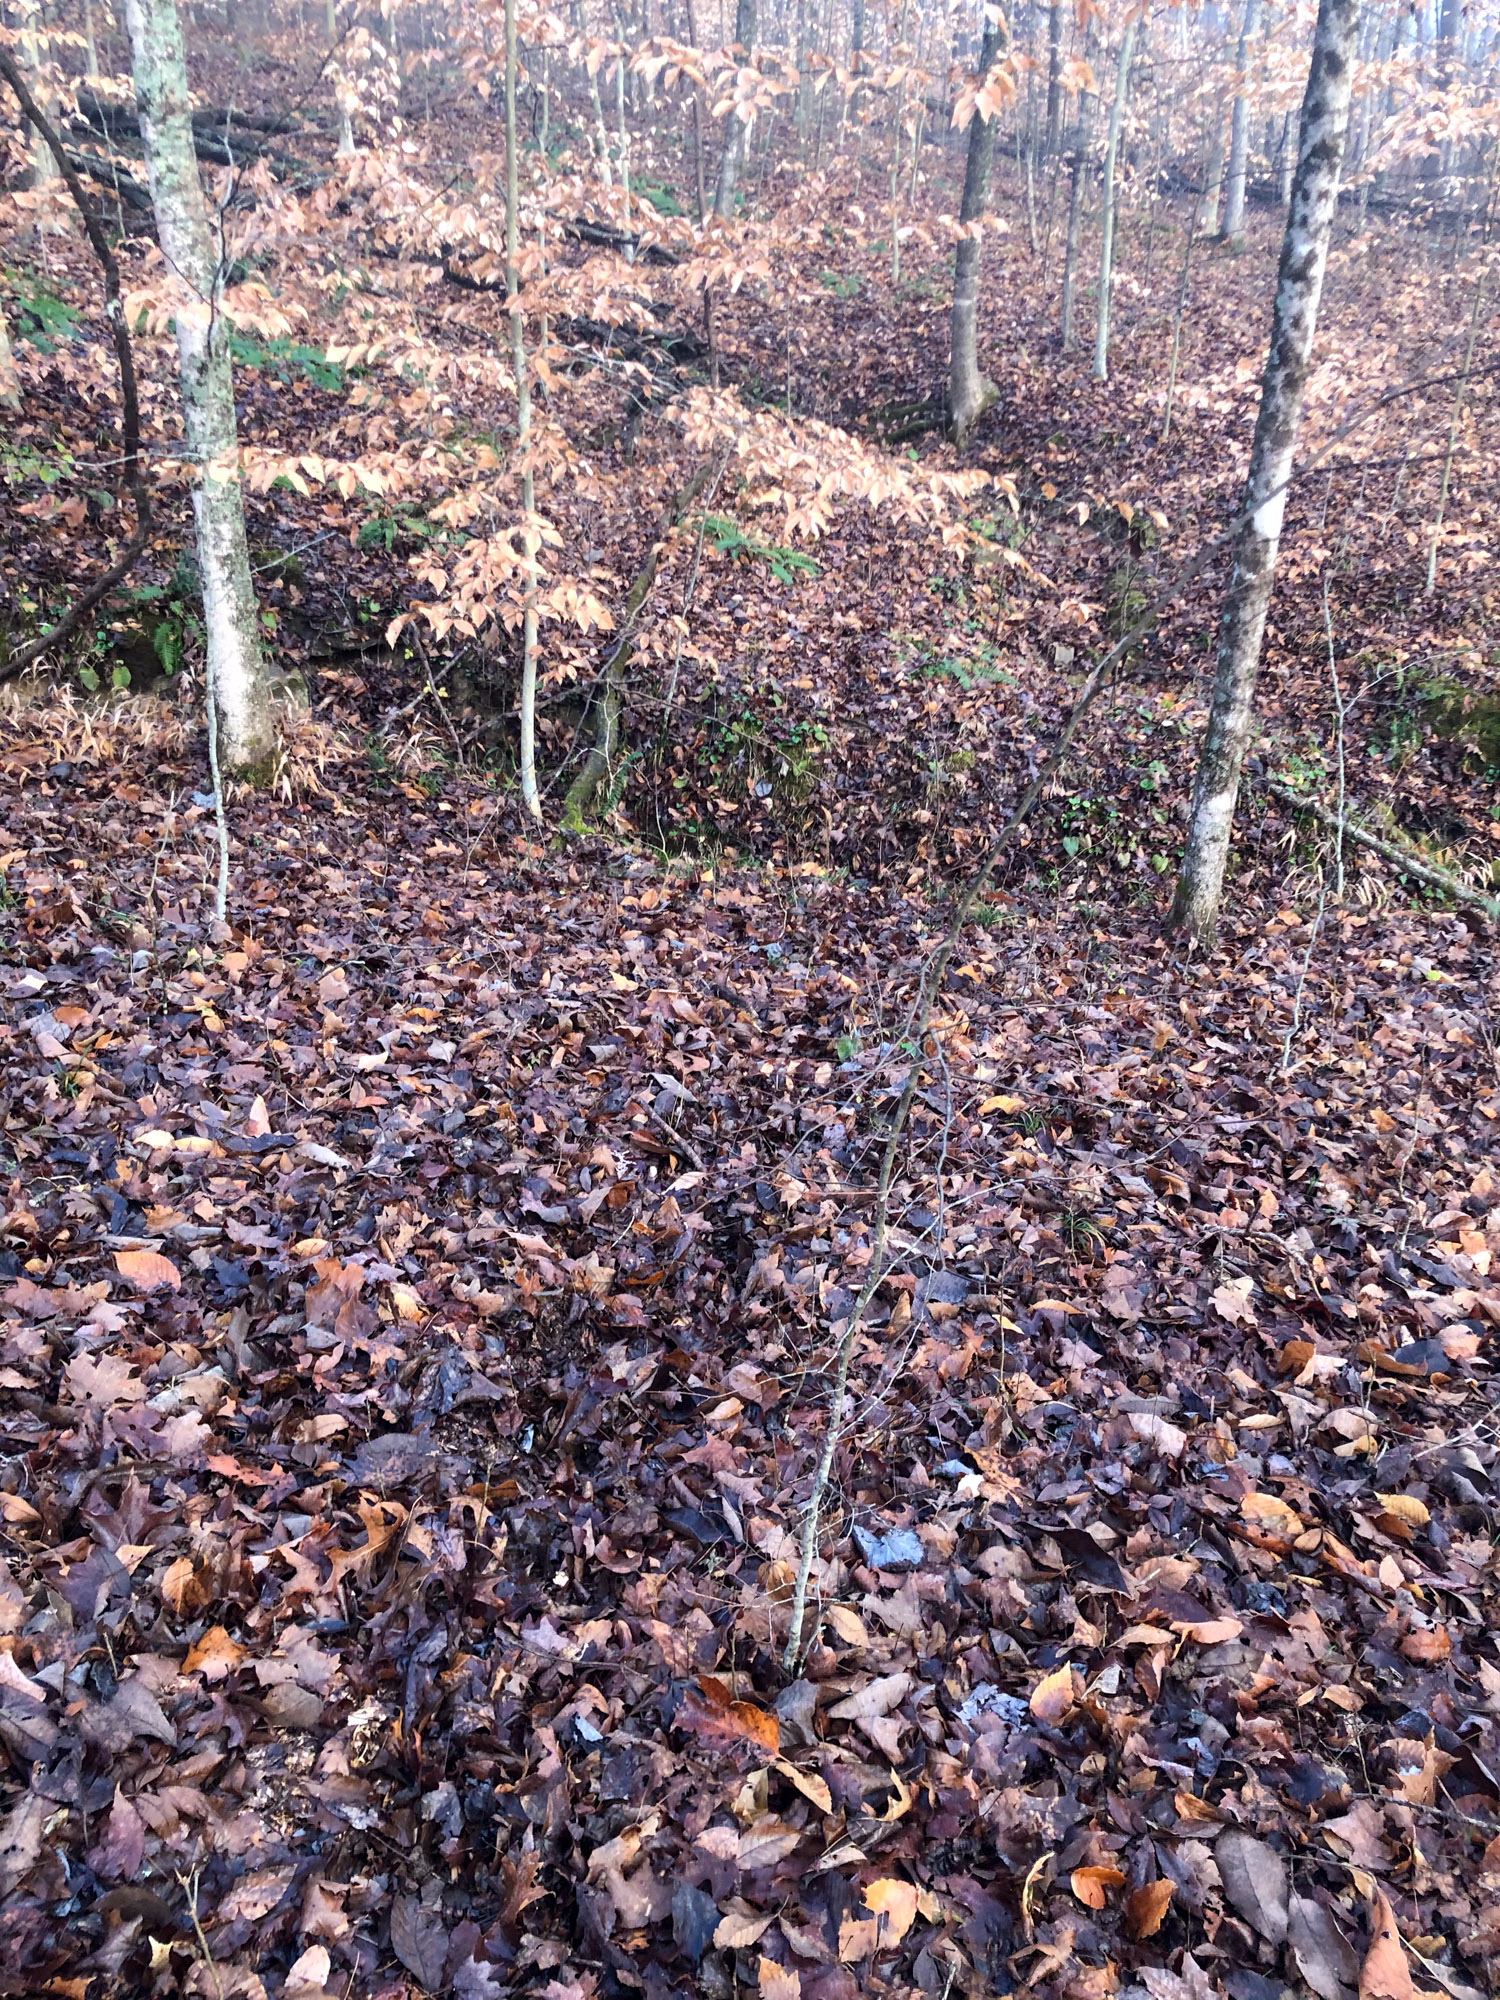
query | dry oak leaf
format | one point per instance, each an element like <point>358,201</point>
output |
<point>778,1982</point>
<point>1267,1510</point>
<point>1146,1908</point>
<point>1054,1697</point>
<point>1385,1974</point>
<point>102,1381</point>
<point>214,1655</point>
<point>148,1270</point>
<point>1405,1508</point>
<point>1092,1885</point>
<point>869,1708</point>
<point>718,1718</point>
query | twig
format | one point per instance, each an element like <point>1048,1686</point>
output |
<point>685,1146</point>
<point>189,1887</point>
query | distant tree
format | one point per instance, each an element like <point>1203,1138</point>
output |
<point>969,393</point>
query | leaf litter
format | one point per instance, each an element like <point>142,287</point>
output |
<point>416,1343</point>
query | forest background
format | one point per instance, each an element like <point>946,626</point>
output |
<point>667,1327</point>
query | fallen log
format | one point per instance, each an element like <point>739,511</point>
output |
<point>1388,850</point>
<point>110,174</point>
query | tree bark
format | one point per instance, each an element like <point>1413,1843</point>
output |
<point>1299,286</point>
<point>969,394</point>
<point>1054,78</point>
<point>530,794</point>
<point>736,138</point>
<point>1081,141</point>
<point>1239,134</point>
<point>238,684</point>
<point>1107,246</point>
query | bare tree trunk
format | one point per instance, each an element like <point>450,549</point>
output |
<point>238,685</point>
<point>341,87</point>
<point>1239,137</point>
<point>1182,292</point>
<point>1054,78</point>
<point>1081,139</point>
<point>736,139</point>
<point>969,394</point>
<point>32,58</point>
<point>1213,185</point>
<point>1107,249</point>
<point>530,796</point>
<point>1299,286</point>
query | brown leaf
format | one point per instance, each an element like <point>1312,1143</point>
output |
<point>420,1940</point>
<point>715,1717</point>
<point>1267,1510</point>
<point>1323,1954</point>
<point>21,1838</point>
<point>1092,1885</point>
<point>1428,1649</point>
<point>1254,1882</point>
<point>1385,1974</point>
<point>778,1982</point>
<point>214,1655</point>
<point>739,1928</point>
<point>148,1270</point>
<point>1146,1908</point>
<point>1055,1696</point>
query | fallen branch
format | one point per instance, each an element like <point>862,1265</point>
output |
<point>130,407</point>
<point>1388,850</point>
<point>110,174</point>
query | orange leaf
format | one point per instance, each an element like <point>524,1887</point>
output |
<point>1053,1698</point>
<point>716,1718</point>
<point>895,1903</point>
<point>214,1656</point>
<point>147,1270</point>
<point>1385,1974</point>
<point>1092,1885</point>
<point>1145,1908</point>
<point>1427,1648</point>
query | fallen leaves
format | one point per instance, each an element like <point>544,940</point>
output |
<point>1385,1973</point>
<point>1146,1908</point>
<point>148,1270</point>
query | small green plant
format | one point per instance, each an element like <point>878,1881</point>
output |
<point>662,198</point>
<point>284,357</point>
<point>730,539</point>
<point>843,284</point>
<point>389,528</point>
<point>43,321</point>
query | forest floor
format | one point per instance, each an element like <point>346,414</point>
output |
<point>420,1304</point>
